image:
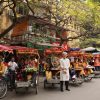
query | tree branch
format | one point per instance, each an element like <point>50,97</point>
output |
<point>29,6</point>
<point>7,30</point>
<point>1,2</point>
<point>1,11</point>
<point>14,11</point>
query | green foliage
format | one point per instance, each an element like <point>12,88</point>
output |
<point>86,15</point>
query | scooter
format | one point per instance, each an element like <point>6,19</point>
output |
<point>75,79</point>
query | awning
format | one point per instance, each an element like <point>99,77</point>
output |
<point>89,49</point>
<point>54,50</point>
<point>76,53</point>
<point>96,53</point>
<point>74,49</point>
<point>5,48</point>
<point>22,50</point>
<point>48,44</point>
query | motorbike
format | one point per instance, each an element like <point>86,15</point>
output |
<point>75,78</point>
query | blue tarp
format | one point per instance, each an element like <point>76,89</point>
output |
<point>74,49</point>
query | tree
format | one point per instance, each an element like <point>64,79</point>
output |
<point>11,5</point>
<point>84,15</point>
<point>93,38</point>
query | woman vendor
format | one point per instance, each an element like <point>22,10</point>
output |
<point>3,68</point>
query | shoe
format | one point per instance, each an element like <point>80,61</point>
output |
<point>11,89</point>
<point>68,89</point>
<point>62,90</point>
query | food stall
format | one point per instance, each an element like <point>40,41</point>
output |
<point>52,73</point>
<point>96,57</point>
<point>28,62</point>
<point>81,64</point>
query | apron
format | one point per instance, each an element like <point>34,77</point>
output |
<point>64,74</point>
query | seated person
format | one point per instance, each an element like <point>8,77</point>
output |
<point>72,73</point>
<point>3,68</point>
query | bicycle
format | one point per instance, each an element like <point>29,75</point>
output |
<point>3,87</point>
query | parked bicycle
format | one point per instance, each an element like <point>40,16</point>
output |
<point>3,87</point>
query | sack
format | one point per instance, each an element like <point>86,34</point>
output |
<point>48,75</point>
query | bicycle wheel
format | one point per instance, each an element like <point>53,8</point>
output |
<point>3,88</point>
<point>36,87</point>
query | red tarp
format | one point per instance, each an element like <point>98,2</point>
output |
<point>54,50</point>
<point>5,48</point>
<point>21,49</point>
<point>97,56</point>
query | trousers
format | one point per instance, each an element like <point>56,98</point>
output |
<point>66,85</point>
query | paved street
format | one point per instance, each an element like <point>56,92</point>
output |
<point>88,91</point>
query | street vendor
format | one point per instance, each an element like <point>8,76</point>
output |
<point>2,67</point>
<point>84,63</point>
<point>12,65</point>
<point>31,68</point>
<point>55,61</point>
<point>33,63</point>
<point>64,71</point>
<point>97,63</point>
<point>79,67</point>
<point>76,63</point>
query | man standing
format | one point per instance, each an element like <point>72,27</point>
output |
<point>64,71</point>
<point>12,67</point>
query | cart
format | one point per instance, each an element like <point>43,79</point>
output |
<point>97,64</point>
<point>77,79</point>
<point>55,79</point>
<point>30,81</point>
<point>3,87</point>
<point>52,73</point>
<point>84,71</point>
<point>89,73</point>
<point>27,74</point>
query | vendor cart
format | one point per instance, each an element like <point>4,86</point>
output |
<point>52,73</point>
<point>97,65</point>
<point>27,73</point>
<point>89,73</point>
<point>77,78</point>
<point>76,70</point>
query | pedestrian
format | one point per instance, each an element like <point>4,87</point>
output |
<point>64,71</point>
<point>12,65</point>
